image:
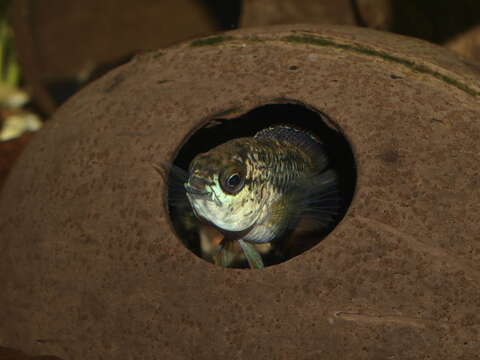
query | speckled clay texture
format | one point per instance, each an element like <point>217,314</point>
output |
<point>91,269</point>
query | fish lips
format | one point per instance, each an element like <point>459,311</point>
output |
<point>197,194</point>
<point>194,193</point>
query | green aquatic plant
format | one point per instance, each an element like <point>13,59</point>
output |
<point>9,68</point>
<point>14,121</point>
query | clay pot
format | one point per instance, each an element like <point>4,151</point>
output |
<point>91,267</point>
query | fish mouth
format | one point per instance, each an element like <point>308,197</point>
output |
<point>196,193</point>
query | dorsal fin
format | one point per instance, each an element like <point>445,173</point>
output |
<point>297,137</point>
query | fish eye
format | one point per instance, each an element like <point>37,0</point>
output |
<point>232,182</point>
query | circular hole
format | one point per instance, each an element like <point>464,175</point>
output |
<point>316,220</point>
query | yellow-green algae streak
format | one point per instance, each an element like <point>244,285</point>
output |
<point>321,41</point>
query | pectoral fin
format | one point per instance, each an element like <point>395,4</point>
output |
<point>251,253</point>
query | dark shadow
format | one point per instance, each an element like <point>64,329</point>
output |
<point>227,13</point>
<point>13,354</point>
<point>434,20</point>
<point>359,20</point>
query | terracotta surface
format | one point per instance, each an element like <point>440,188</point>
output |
<point>91,268</point>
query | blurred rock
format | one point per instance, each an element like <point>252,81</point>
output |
<point>376,14</point>
<point>273,12</point>
<point>467,44</point>
<point>61,43</point>
<point>441,21</point>
<point>451,23</point>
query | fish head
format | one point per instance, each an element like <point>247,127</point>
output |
<point>219,188</point>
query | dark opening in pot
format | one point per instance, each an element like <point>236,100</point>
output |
<point>203,239</point>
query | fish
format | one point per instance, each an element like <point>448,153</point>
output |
<point>255,190</point>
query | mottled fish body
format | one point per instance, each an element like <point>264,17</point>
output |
<point>254,189</point>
